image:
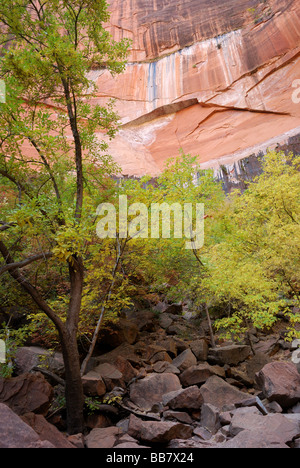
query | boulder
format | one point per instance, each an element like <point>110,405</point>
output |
<point>295,344</point>
<point>231,355</point>
<point>29,357</point>
<point>111,376</point>
<point>241,378</point>
<point>15,433</point>
<point>296,359</point>
<point>173,309</point>
<point>104,438</point>
<point>158,432</point>
<point>280,382</point>
<point>255,364</point>
<point>181,345</point>
<point>200,349</point>
<point>273,407</point>
<point>116,333</point>
<point>97,420</point>
<point>188,398</point>
<point>26,393</point>
<point>253,401</point>
<point>77,440</point>
<point>254,440</point>
<point>269,345</point>
<point>165,321</point>
<point>169,344</point>
<point>274,427</point>
<point>178,327</point>
<point>179,416</point>
<point>123,358</point>
<point>155,353</point>
<point>164,366</point>
<point>219,393</point>
<point>47,431</point>
<point>184,360</point>
<point>210,418</point>
<point>126,441</point>
<point>127,370</point>
<point>199,374</point>
<point>149,391</point>
<point>144,320</point>
<point>93,384</point>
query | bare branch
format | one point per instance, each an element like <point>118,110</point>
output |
<point>24,263</point>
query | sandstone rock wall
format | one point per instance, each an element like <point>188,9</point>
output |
<point>210,77</point>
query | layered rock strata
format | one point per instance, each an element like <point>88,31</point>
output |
<point>213,78</point>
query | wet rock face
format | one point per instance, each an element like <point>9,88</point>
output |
<point>203,75</point>
<point>164,25</point>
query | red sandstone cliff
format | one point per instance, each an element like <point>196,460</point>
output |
<point>212,77</point>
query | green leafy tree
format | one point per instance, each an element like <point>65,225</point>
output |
<point>254,264</point>
<point>166,259</point>
<point>52,167</point>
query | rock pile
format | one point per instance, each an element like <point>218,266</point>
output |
<point>169,411</point>
<point>169,392</point>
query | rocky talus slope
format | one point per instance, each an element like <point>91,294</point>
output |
<point>161,386</point>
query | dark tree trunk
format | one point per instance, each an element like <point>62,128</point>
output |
<point>67,333</point>
<point>74,388</point>
<point>73,384</point>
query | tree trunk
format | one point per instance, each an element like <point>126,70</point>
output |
<point>74,389</point>
<point>211,332</point>
<point>73,384</point>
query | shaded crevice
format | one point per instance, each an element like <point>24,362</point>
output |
<point>162,111</point>
<point>243,109</point>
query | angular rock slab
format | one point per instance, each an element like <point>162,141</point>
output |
<point>188,398</point>
<point>158,432</point>
<point>103,437</point>
<point>277,428</point>
<point>219,393</point>
<point>28,357</point>
<point>14,433</point>
<point>200,349</point>
<point>231,355</point>
<point>185,360</point>
<point>280,382</point>
<point>26,393</point>
<point>199,374</point>
<point>150,391</point>
<point>253,439</point>
<point>93,384</point>
<point>46,431</point>
<point>111,376</point>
